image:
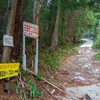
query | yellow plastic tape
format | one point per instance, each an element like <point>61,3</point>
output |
<point>9,70</point>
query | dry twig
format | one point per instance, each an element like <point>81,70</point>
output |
<point>46,81</point>
<point>49,92</point>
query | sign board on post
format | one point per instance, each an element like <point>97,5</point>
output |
<point>9,70</point>
<point>30,30</point>
<point>7,40</point>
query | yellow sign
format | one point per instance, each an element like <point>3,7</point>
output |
<point>9,70</point>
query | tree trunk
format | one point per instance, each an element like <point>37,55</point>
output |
<point>9,31</point>
<point>17,29</point>
<point>54,38</point>
<point>36,11</point>
<point>35,18</point>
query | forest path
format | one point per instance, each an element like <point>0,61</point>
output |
<point>80,74</point>
<point>88,43</point>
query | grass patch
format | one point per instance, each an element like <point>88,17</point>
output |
<point>98,56</point>
<point>96,44</point>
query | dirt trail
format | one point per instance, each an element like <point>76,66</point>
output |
<point>81,70</point>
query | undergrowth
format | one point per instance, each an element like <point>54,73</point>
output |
<point>53,60</point>
<point>34,92</point>
<point>96,44</point>
<point>31,85</point>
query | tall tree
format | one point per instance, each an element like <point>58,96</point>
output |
<point>54,38</point>
<point>36,9</point>
<point>9,31</point>
<point>17,29</point>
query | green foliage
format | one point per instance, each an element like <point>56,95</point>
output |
<point>38,77</point>
<point>74,50</point>
<point>74,4</point>
<point>70,49</point>
<point>87,21</point>
<point>3,18</point>
<point>30,82</point>
<point>88,34</point>
<point>64,52</point>
<point>19,58</point>
<point>34,92</point>
<point>28,10</point>
<point>92,20</point>
<point>15,88</point>
<point>61,30</point>
<point>96,44</point>
<point>98,56</point>
<point>95,1</point>
<point>24,72</point>
<point>53,60</point>
<point>47,19</point>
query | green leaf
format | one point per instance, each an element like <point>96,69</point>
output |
<point>15,88</point>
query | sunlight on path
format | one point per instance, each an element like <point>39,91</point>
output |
<point>88,43</point>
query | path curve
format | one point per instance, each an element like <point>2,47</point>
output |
<point>88,43</point>
<point>93,91</point>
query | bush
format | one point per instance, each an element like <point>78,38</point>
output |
<point>96,44</point>
<point>53,60</point>
<point>98,56</point>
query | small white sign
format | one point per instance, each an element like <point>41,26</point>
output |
<point>7,40</point>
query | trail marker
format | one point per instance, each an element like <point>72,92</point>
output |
<point>32,31</point>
